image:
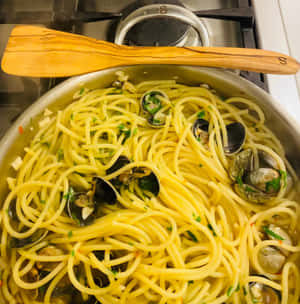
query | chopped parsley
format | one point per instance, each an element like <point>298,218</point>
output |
<point>73,252</point>
<point>94,120</point>
<point>192,236</point>
<point>92,133</point>
<point>124,130</point>
<point>131,244</point>
<point>156,121</point>
<point>72,116</point>
<point>200,165</point>
<point>244,291</point>
<point>230,291</point>
<point>114,271</point>
<point>134,132</point>
<point>238,287</point>
<point>69,196</point>
<point>197,218</point>
<point>190,282</point>
<point>239,180</point>
<point>60,154</point>
<point>169,228</point>
<point>70,234</point>
<point>255,300</point>
<point>272,233</point>
<point>273,184</point>
<point>209,226</point>
<point>201,114</point>
<point>81,91</point>
<point>43,202</point>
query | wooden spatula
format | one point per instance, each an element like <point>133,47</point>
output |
<point>40,52</point>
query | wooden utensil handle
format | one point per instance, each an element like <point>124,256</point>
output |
<point>41,52</point>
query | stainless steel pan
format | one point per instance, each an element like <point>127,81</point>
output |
<point>226,83</point>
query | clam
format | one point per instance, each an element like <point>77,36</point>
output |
<point>143,176</point>
<point>147,180</point>
<point>104,192</point>
<point>274,232</point>
<point>200,130</point>
<point>49,251</point>
<point>271,259</point>
<point>236,135</point>
<point>157,120</point>
<point>263,294</point>
<point>257,179</point>
<point>118,164</point>
<point>83,207</point>
<point>77,206</point>
<point>30,241</point>
<point>151,101</point>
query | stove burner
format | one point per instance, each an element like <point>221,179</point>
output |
<point>157,31</point>
<point>162,24</point>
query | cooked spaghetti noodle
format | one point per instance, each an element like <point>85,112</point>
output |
<point>197,241</point>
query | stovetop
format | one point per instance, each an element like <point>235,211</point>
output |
<point>228,23</point>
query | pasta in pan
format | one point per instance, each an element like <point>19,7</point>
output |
<point>156,192</point>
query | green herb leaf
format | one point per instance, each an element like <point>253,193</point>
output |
<point>192,236</point>
<point>81,91</point>
<point>134,131</point>
<point>114,271</point>
<point>272,233</point>
<point>238,287</point>
<point>73,252</point>
<point>190,282</point>
<point>94,120</point>
<point>274,183</point>
<point>156,121</point>
<point>43,202</point>
<point>121,127</point>
<point>212,229</point>
<point>197,218</point>
<point>201,114</point>
<point>169,228</point>
<point>244,291</point>
<point>255,300</point>
<point>200,165</point>
<point>72,116</point>
<point>70,234</point>
<point>239,180</point>
<point>60,154</point>
<point>69,196</point>
<point>230,291</point>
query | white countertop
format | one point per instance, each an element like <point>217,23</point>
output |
<point>278,23</point>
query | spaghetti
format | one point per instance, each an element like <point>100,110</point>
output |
<point>205,228</point>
